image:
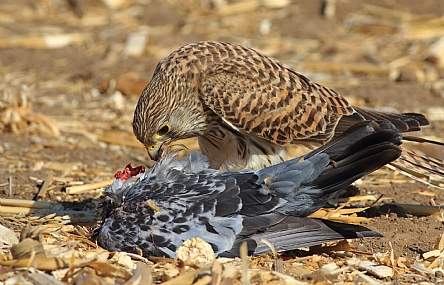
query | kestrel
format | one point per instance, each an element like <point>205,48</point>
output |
<point>246,108</point>
<point>177,200</point>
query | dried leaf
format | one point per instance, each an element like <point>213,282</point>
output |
<point>7,236</point>
<point>110,270</point>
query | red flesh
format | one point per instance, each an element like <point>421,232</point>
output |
<point>129,171</point>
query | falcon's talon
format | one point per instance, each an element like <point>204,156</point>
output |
<point>333,163</point>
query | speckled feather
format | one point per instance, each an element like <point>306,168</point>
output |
<point>180,199</point>
<point>256,93</point>
<point>246,108</point>
<point>419,167</point>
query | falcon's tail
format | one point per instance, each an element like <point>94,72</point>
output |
<point>307,185</point>
<point>421,168</point>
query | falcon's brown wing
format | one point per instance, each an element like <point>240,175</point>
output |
<point>259,95</point>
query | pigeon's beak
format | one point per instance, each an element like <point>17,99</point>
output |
<point>154,150</point>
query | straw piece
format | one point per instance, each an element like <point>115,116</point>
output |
<point>185,279</point>
<point>26,203</point>
<point>239,8</point>
<point>421,210</point>
<point>244,257</point>
<point>48,41</point>
<point>47,264</point>
<point>88,187</point>
<point>16,210</point>
<point>45,185</point>
<point>119,138</point>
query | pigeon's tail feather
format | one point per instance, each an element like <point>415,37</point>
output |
<point>362,153</point>
<point>339,174</point>
<point>296,232</point>
<point>366,132</point>
<point>307,185</point>
<point>350,141</point>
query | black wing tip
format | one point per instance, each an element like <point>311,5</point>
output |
<point>420,118</point>
<point>298,232</point>
<point>350,231</point>
<point>404,122</point>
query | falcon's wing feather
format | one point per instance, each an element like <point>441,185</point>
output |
<point>404,122</point>
<point>258,95</point>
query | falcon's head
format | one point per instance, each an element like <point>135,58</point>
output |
<point>168,110</point>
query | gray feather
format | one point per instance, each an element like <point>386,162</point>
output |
<point>178,199</point>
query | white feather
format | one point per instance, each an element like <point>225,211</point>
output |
<point>230,124</point>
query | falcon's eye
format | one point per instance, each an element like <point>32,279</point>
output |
<point>163,130</point>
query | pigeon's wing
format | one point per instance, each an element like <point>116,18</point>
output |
<point>158,216</point>
<point>294,232</point>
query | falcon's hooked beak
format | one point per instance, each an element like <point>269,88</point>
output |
<point>155,150</point>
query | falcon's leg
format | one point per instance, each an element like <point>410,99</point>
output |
<point>230,151</point>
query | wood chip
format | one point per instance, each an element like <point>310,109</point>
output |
<point>141,276</point>
<point>44,188</point>
<point>432,253</point>
<point>380,271</point>
<point>135,44</point>
<point>7,236</point>
<point>195,250</point>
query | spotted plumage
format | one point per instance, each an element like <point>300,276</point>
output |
<point>180,199</point>
<point>425,169</point>
<point>246,108</point>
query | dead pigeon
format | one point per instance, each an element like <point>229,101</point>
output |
<point>178,199</point>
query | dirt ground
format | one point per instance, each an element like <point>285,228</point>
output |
<point>373,57</point>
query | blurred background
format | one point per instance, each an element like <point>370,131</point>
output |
<point>71,71</point>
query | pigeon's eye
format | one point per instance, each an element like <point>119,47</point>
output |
<point>164,129</point>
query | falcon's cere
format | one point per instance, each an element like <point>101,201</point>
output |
<point>177,200</point>
<point>246,108</point>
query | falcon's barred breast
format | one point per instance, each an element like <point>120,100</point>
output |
<point>246,108</point>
